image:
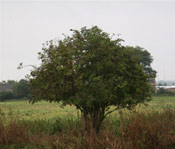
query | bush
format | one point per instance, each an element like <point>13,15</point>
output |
<point>149,130</point>
<point>93,72</point>
<point>19,90</point>
<point>6,95</point>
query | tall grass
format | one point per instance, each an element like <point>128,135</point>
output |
<point>134,130</point>
<point>149,130</point>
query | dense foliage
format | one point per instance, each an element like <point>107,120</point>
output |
<point>22,89</point>
<point>14,90</point>
<point>6,95</point>
<point>93,72</point>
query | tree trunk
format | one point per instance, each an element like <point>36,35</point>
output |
<point>93,120</point>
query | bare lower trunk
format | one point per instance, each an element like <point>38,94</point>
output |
<point>93,121</point>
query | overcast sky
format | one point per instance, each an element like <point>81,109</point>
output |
<point>25,25</point>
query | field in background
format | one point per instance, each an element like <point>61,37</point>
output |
<point>45,110</point>
<point>41,110</point>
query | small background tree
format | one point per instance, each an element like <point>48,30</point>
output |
<point>21,89</point>
<point>11,89</point>
<point>93,72</point>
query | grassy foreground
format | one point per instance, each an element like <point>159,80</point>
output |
<point>47,126</point>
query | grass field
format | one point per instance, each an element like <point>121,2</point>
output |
<point>46,125</point>
<point>41,110</point>
<point>45,110</point>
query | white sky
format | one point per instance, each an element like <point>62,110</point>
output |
<point>25,25</point>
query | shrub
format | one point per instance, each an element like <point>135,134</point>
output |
<point>149,130</point>
<point>93,72</point>
<point>6,95</point>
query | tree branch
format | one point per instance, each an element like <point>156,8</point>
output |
<point>111,111</point>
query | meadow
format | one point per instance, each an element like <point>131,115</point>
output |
<point>45,125</point>
<point>45,110</point>
<point>41,110</point>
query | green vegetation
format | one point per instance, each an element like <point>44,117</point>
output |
<point>14,90</point>
<point>44,110</point>
<point>92,71</point>
<point>164,92</point>
<point>150,126</point>
<point>96,88</point>
<point>41,110</point>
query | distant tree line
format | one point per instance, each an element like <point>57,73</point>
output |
<point>14,89</point>
<point>164,92</point>
<point>166,83</point>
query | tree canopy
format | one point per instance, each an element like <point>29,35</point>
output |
<point>14,90</point>
<point>21,89</point>
<point>93,72</point>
